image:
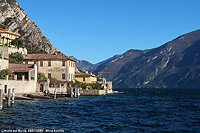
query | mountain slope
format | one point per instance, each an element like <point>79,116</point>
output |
<point>14,19</point>
<point>117,63</point>
<point>175,64</point>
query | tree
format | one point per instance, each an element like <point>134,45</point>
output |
<point>17,42</point>
<point>3,74</point>
<point>16,58</point>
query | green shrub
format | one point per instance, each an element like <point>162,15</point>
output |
<point>3,74</point>
<point>41,77</point>
<point>16,58</point>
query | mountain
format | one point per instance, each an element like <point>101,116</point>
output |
<point>82,64</point>
<point>114,65</point>
<point>175,64</point>
<point>85,65</point>
<point>14,19</point>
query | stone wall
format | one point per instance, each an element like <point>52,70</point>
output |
<point>88,92</point>
<point>3,64</point>
<point>19,85</point>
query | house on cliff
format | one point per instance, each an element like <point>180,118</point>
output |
<point>6,37</point>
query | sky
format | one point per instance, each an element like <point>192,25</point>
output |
<point>95,30</point>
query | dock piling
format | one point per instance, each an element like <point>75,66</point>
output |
<point>72,92</point>
<point>55,94</point>
<point>13,96</point>
<point>1,99</point>
<point>9,94</point>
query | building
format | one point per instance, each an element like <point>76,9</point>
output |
<point>53,65</point>
<point>23,79</point>
<point>86,78</point>
<point>6,37</point>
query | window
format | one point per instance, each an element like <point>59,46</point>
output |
<point>69,76</point>
<point>63,76</point>
<point>49,63</point>
<point>63,63</point>
<point>32,75</point>
<point>49,75</point>
<point>5,89</point>
<point>34,62</point>
<point>41,63</point>
<point>83,78</point>
<point>26,62</point>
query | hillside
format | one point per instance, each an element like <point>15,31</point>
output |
<point>175,64</point>
<point>14,19</point>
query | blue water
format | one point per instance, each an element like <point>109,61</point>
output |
<point>134,110</point>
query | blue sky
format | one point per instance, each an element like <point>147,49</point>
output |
<point>95,30</point>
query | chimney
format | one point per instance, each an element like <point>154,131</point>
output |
<point>91,72</point>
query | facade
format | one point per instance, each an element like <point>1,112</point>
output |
<point>53,65</point>
<point>86,78</point>
<point>23,79</point>
<point>6,37</point>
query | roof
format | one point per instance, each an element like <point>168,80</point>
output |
<point>20,69</point>
<point>84,75</point>
<point>46,57</point>
<point>12,65</point>
<point>4,31</point>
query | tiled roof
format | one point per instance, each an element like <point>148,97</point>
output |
<point>11,65</point>
<point>46,57</point>
<point>19,69</point>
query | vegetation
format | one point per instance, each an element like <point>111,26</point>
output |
<point>16,58</point>
<point>17,42</point>
<point>41,76</point>
<point>3,74</point>
<point>52,78</point>
<point>85,85</point>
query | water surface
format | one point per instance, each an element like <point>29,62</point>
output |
<point>135,110</point>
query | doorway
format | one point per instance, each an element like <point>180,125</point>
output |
<point>41,87</point>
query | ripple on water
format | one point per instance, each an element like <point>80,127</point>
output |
<point>135,110</point>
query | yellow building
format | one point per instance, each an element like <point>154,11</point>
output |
<point>53,65</point>
<point>86,78</point>
<point>6,37</point>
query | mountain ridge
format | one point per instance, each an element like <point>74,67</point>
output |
<point>172,65</point>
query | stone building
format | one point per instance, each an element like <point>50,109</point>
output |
<point>53,65</point>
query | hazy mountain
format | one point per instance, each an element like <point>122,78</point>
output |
<point>82,64</point>
<point>175,64</point>
<point>85,65</point>
<point>14,19</point>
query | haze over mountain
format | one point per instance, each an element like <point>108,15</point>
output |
<point>175,64</point>
<point>14,19</point>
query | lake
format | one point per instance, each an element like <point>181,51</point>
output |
<point>134,110</point>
